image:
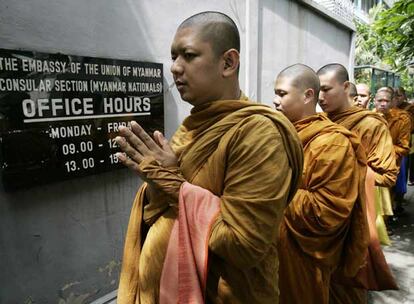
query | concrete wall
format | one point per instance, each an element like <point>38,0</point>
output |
<point>291,33</point>
<point>64,241</point>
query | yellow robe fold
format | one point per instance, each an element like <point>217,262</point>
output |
<point>249,156</point>
<point>324,227</point>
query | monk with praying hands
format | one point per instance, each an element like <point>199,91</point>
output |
<point>214,194</point>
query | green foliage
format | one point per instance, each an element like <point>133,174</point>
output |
<point>388,41</point>
<point>368,47</point>
<point>395,27</point>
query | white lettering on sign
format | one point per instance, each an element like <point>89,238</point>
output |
<point>107,86</point>
<point>111,70</point>
<point>129,104</point>
<point>67,106</point>
<point>70,131</point>
<point>144,87</point>
<point>43,66</point>
<point>114,126</point>
<point>9,64</point>
<point>42,85</point>
<point>146,72</point>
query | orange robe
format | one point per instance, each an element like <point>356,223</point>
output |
<point>376,140</point>
<point>410,109</point>
<point>324,227</point>
<point>399,124</point>
<point>251,158</point>
<point>378,144</point>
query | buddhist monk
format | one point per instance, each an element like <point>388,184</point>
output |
<point>352,95</point>
<point>376,139</point>
<point>400,99</point>
<point>377,143</point>
<point>370,127</point>
<point>243,156</point>
<point>399,123</point>
<point>324,227</point>
<point>364,95</point>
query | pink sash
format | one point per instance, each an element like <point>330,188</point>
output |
<point>184,273</point>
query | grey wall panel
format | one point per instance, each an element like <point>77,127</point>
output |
<point>294,34</point>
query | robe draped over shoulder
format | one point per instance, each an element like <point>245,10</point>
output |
<point>399,124</point>
<point>374,135</point>
<point>250,157</point>
<point>325,226</point>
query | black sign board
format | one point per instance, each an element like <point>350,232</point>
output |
<point>59,113</point>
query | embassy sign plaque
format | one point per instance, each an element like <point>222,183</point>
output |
<point>60,113</point>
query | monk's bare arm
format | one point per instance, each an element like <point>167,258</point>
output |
<point>257,183</point>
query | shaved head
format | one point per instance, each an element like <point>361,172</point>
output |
<point>216,28</point>
<point>399,95</point>
<point>364,95</point>
<point>389,90</point>
<point>302,77</point>
<point>341,74</point>
<point>363,87</point>
<point>352,90</point>
<point>400,91</point>
<point>383,99</point>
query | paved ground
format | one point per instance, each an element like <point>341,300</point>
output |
<point>400,257</point>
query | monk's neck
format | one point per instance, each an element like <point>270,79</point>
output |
<point>342,109</point>
<point>308,113</point>
<point>233,93</point>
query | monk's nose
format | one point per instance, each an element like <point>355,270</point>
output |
<point>276,101</point>
<point>321,96</point>
<point>176,67</point>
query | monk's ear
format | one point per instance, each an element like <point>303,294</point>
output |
<point>231,60</point>
<point>346,86</point>
<point>309,95</point>
<point>355,99</point>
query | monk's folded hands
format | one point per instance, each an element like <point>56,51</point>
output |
<point>151,158</point>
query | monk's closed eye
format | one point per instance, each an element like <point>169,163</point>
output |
<point>189,56</point>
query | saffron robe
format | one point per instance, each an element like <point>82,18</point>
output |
<point>325,226</point>
<point>376,139</point>
<point>251,158</point>
<point>374,134</point>
<point>399,124</point>
<point>371,128</point>
<point>410,109</point>
<point>373,131</point>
